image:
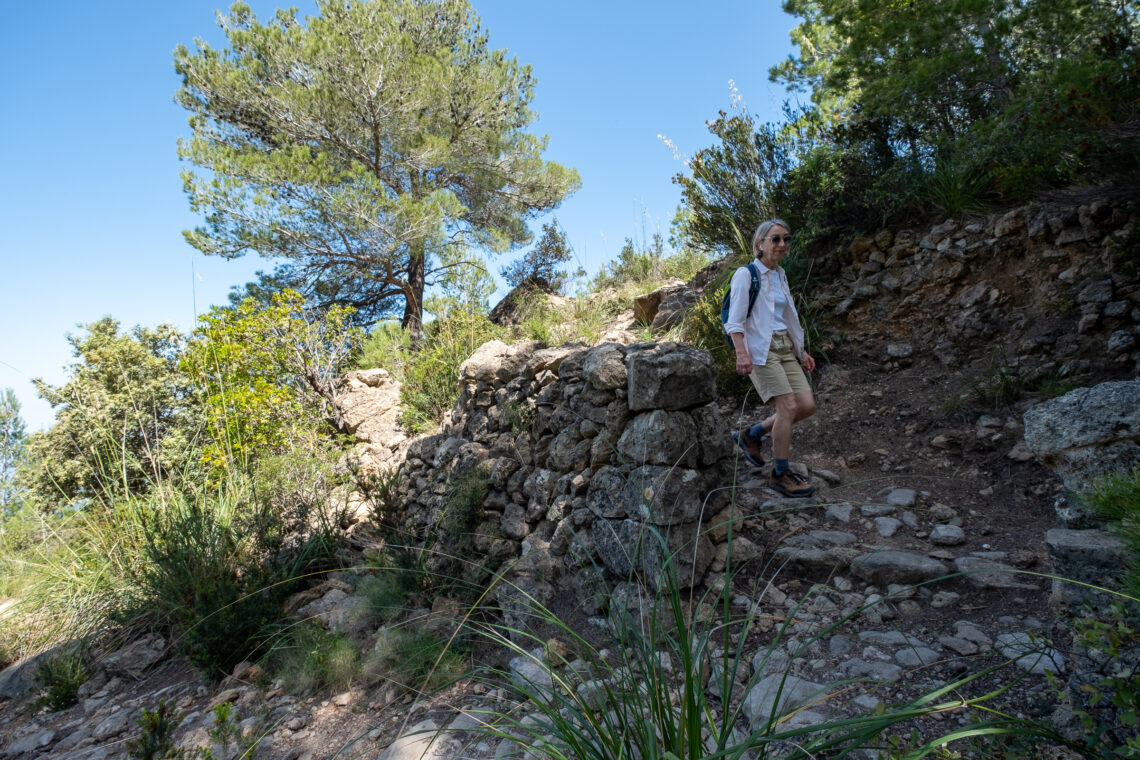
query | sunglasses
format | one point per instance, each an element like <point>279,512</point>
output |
<point>776,239</point>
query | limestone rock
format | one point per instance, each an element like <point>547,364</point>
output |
<point>669,376</point>
<point>135,658</point>
<point>901,567</point>
<point>1087,432</point>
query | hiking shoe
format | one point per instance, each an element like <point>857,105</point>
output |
<point>791,484</point>
<point>750,446</point>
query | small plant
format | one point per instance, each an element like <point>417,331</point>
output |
<point>1110,702</point>
<point>156,740</point>
<point>383,490</point>
<point>520,416</point>
<point>417,659</point>
<point>1116,497</point>
<point>308,658</point>
<point>227,731</point>
<point>465,496</point>
<point>60,677</point>
<point>1003,385</point>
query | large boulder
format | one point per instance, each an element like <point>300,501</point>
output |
<point>1087,432</point>
<point>669,376</point>
<point>660,437</point>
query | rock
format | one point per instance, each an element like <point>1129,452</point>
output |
<point>111,726</point>
<point>1020,452</point>
<point>887,526</point>
<point>839,512</point>
<point>886,567</point>
<point>944,599</point>
<point>989,573</point>
<point>660,437</point>
<point>645,306</point>
<point>1087,432</point>
<point>423,741</point>
<point>777,695</point>
<point>135,658</point>
<point>531,676</point>
<point>902,497</point>
<point>947,535</point>
<point>669,376</point>
<point>604,367</point>
<point>1030,653</point>
<point>370,405</point>
<point>900,350</point>
<point>885,672</point>
<point>664,496</point>
<point>30,743</point>
<point>1121,342</point>
<point>675,304</point>
<point>916,657</point>
<point>1084,556</point>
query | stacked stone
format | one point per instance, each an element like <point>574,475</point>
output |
<point>592,453</point>
<point>953,273</point>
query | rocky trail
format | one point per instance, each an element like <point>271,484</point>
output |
<point>922,557</point>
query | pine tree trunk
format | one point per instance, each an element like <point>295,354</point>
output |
<point>413,320</point>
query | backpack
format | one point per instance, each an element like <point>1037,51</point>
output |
<point>753,291</point>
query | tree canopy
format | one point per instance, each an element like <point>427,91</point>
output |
<point>359,146</point>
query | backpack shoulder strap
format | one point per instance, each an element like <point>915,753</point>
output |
<point>753,287</point>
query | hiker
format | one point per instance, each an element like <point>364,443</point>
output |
<point>769,343</point>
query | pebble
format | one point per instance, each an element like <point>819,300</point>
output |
<point>887,526</point>
<point>877,510</point>
<point>902,497</point>
<point>944,599</point>
<point>947,535</point>
<point>916,656</point>
<point>1030,653</point>
<point>839,512</point>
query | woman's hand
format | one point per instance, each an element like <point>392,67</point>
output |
<point>743,363</point>
<point>809,363</point>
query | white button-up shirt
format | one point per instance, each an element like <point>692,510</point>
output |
<point>758,327</point>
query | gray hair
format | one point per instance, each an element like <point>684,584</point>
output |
<point>762,231</point>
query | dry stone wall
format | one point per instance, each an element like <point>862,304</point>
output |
<point>590,454</point>
<point>1054,286</point>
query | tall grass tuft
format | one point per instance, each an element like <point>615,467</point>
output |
<point>675,686</point>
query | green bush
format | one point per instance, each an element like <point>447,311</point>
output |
<point>59,678</point>
<point>156,737</point>
<point>417,659</point>
<point>1116,497</point>
<point>1109,702</point>
<point>307,658</point>
<point>429,373</point>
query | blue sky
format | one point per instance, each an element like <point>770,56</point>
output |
<point>92,208</point>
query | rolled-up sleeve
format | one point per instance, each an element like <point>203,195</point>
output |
<point>738,301</point>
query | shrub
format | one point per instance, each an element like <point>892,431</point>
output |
<point>429,373</point>
<point>156,740</point>
<point>1116,497</point>
<point>307,658</point>
<point>416,659</point>
<point>59,678</point>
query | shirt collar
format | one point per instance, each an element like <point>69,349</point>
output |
<point>763,267</point>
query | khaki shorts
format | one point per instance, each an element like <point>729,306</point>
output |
<point>782,373</point>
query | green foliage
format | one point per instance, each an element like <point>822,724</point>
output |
<point>648,697</point>
<point>464,502</point>
<point>387,591</point>
<point>429,374</point>
<point>1003,385</point>
<point>1110,710</point>
<point>156,738</point>
<point>269,374</point>
<point>307,658</point>
<point>217,568</point>
<point>464,284</point>
<point>124,419</point>
<point>731,186</point>
<point>227,731</point>
<point>294,159</point>
<point>1116,497</point>
<point>540,265</point>
<point>13,438</point>
<point>59,678</point>
<point>416,659</point>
